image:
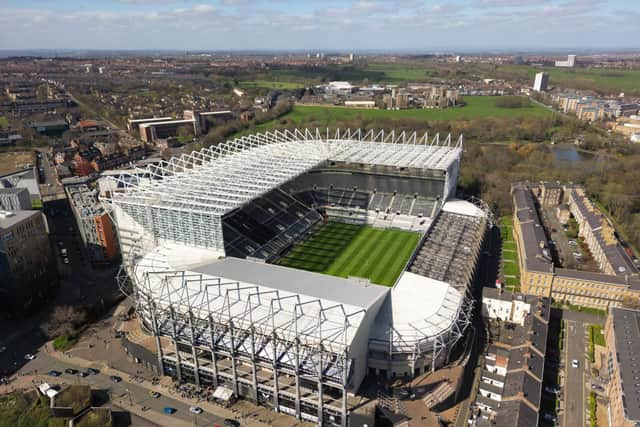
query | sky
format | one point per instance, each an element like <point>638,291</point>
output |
<point>320,25</point>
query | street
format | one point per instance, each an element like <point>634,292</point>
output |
<point>127,395</point>
<point>575,378</point>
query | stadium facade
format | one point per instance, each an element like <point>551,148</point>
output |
<point>200,236</point>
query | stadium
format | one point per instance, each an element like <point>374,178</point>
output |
<point>287,266</point>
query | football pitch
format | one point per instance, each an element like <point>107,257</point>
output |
<point>345,250</point>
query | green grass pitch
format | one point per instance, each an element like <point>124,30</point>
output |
<point>345,250</point>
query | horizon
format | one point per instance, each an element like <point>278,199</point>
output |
<point>375,26</point>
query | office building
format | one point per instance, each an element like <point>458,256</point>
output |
<point>541,82</point>
<point>27,265</point>
<point>15,199</point>
<point>569,63</point>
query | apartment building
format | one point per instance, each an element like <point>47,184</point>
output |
<point>95,226</point>
<point>599,235</point>
<point>539,276</point>
<point>622,329</point>
<point>27,265</point>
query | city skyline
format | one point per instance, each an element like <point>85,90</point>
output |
<point>470,25</point>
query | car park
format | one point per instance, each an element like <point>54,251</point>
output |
<point>195,410</point>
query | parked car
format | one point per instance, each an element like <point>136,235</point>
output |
<point>195,410</point>
<point>154,394</point>
<point>63,252</point>
<point>54,373</point>
<point>575,363</point>
<point>596,387</point>
<point>2,348</point>
<point>93,371</point>
<point>29,356</point>
<point>71,371</point>
<point>551,389</point>
<point>169,410</point>
<point>65,260</point>
<point>115,378</point>
<point>84,374</point>
<point>228,422</point>
<point>548,416</point>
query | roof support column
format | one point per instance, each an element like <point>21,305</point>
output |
<point>253,366</point>
<point>234,372</point>
<point>213,352</point>
<point>276,388</point>
<point>320,392</point>
<point>156,335</point>
<point>345,376</point>
<point>194,351</point>
<point>297,371</point>
<point>175,343</point>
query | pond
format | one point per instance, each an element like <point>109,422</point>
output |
<point>563,153</point>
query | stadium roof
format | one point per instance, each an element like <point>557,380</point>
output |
<point>219,179</point>
<point>303,282</point>
<point>314,307</point>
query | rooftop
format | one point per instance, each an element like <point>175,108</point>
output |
<point>217,180</point>
<point>626,326</point>
<point>10,218</point>
<point>346,291</point>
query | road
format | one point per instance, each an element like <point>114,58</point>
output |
<point>575,378</point>
<point>124,394</point>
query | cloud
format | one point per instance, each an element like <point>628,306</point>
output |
<point>322,24</point>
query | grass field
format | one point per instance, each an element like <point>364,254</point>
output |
<point>477,107</point>
<point>345,250</point>
<point>605,80</point>
<point>510,266</point>
<point>269,84</point>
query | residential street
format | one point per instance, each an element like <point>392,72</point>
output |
<point>575,378</point>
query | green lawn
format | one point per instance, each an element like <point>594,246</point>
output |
<point>606,80</point>
<point>345,250</point>
<point>598,335</point>
<point>509,246</point>
<point>270,84</point>
<point>510,266</point>
<point>511,269</point>
<point>3,122</point>
<point>331,116</point>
